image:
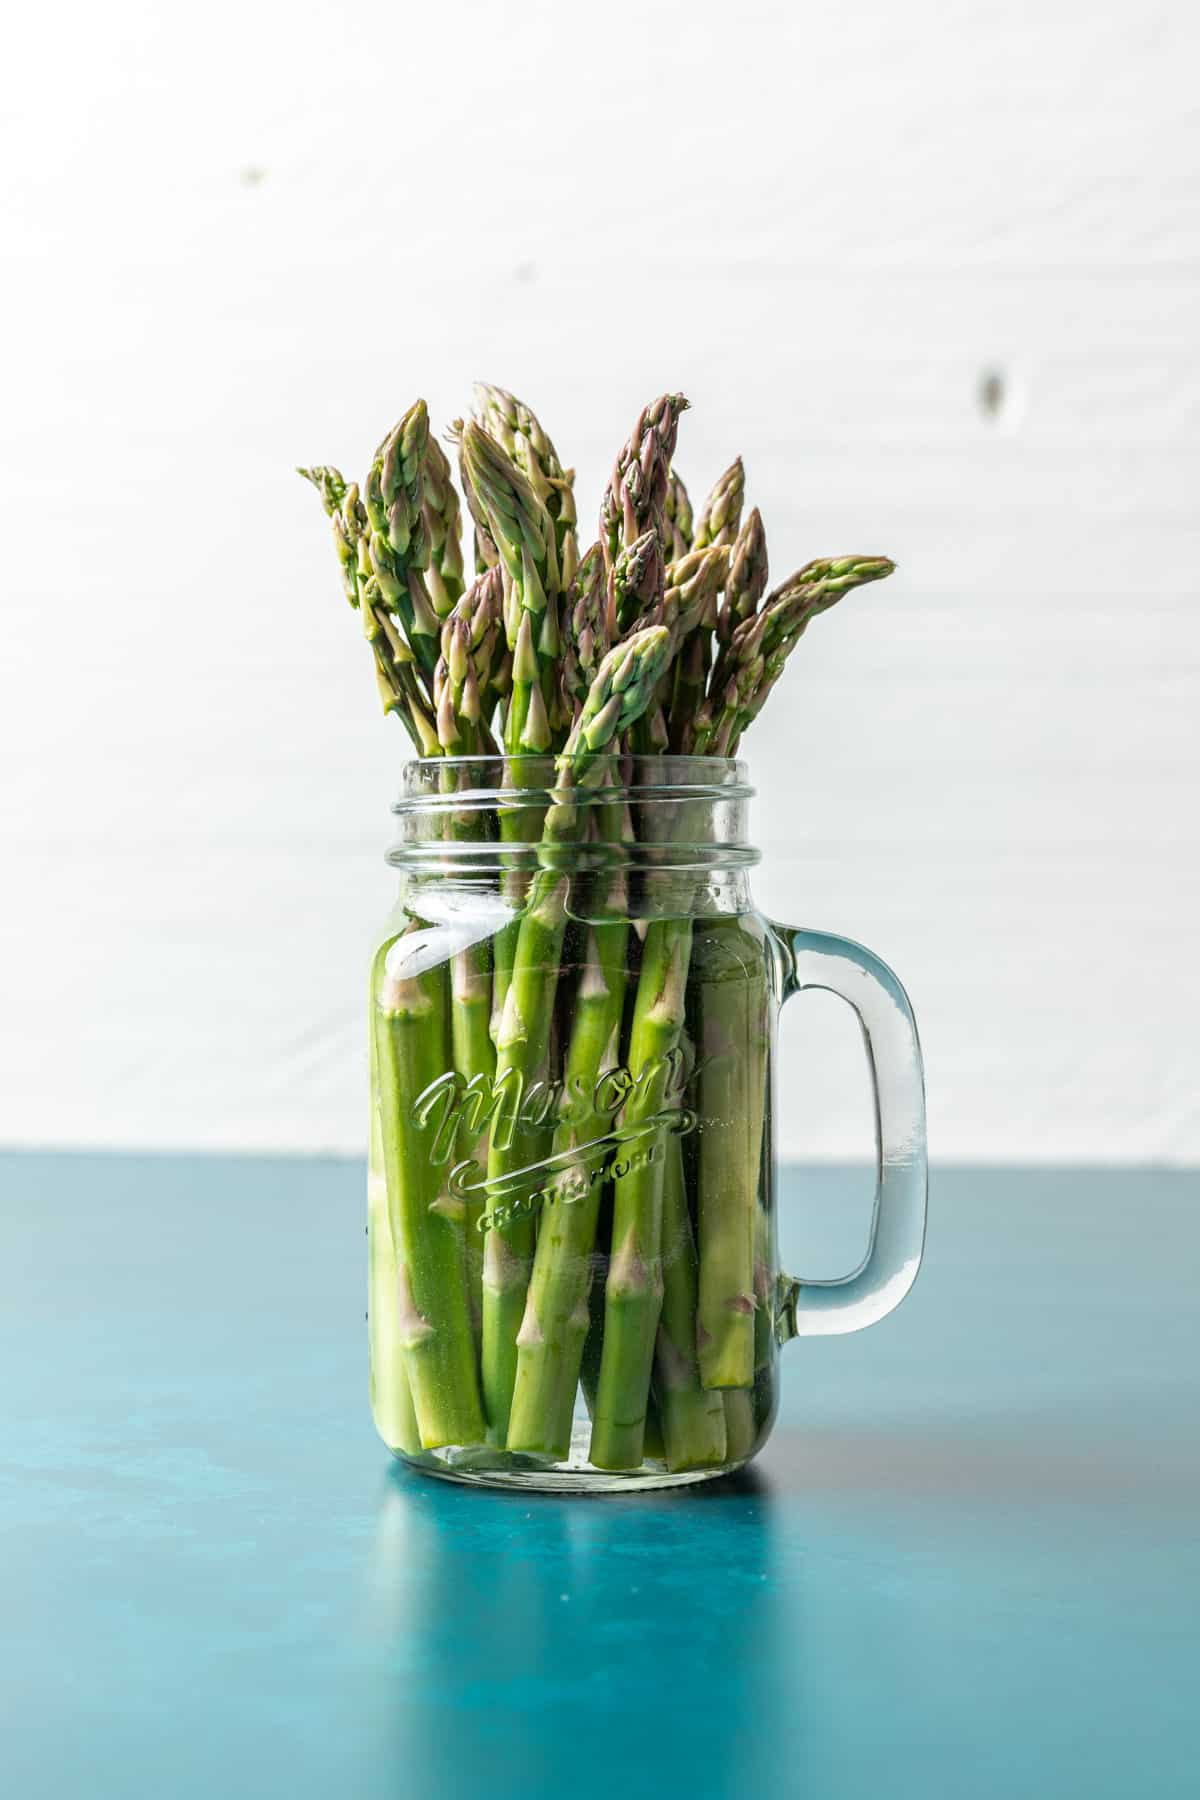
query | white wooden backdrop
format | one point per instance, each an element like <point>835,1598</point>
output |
<point>933,267</point>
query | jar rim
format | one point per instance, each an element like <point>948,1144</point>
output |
<point>639,777</point>
<point>474,814</point>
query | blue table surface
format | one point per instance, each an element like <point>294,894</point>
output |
<point>967,1563</point>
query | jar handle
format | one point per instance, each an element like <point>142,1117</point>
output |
<point>815,959</point>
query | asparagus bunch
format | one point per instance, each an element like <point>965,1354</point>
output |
<point>599,1015</point>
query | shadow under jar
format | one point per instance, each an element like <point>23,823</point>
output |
<point>574,1281</point>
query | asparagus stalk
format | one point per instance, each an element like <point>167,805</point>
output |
<point>718,519</point>
<point>747,580</point>
<point>329,482</point>
<point>398,547</point>
<point>524,535</point>
<point>459,730</point>
<point>391,1391</point>
<point>732,1045</point>
<point>677,510</point>
<point>636,583</point>
<point>716,524</point>
<point>441,516</point>
<point>477,615</point>
<point>619,694</point>
<point>693,1420</point>
<point>690,589</point>
<point>753,660</point>
<point>519,431</point>
<point>634,1289</point>
<point>733,1031</point>
<point>522,530</point>
<point>586,637</point>
<point>636,496</point>
<point>556,1320</point>
<point>432,1319</point>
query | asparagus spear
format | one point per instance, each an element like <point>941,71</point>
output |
<point>717,523</point>
<point>391,1390</point>
<point>555,1321</point>
<point>586,635</point>
<point>398,547</point>
<point>519,431</point>
<point>753,660</point>
<point>634,1288</point>
<point>747,580</point>
<point>732,1047</point>
<point>677,511</point>
<point>481,609</point>
<point>635,498</point>
<point>636,583</point>
<point>432,1318</point>
<point>521,528</point>
<point>460,728</point>
<point>348,518</point>
<point>441,516</point>
<point>691,585</point>
<point>619,694</point>
<point>633,1292</point>
<point>718,519</point>
<point>733,1024</point>
<point>523,532</point>
<point>693,1420</point>
<point>329,482</point>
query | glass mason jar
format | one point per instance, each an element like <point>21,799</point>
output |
<point>574,1281</point>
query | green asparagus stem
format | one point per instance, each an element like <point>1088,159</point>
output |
<point>732,1045</point>
<point>556,1322</point>
<point>391,1392</point>
<point>459,730</point>
<point>634,1289</point>
<point>693,1420</point>
<point>621,691</point>
<point>691,679</point>
<point>741,1426</point>
<point>431,1313</point>
<point>523,532</point>
<point>747,1411</point>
